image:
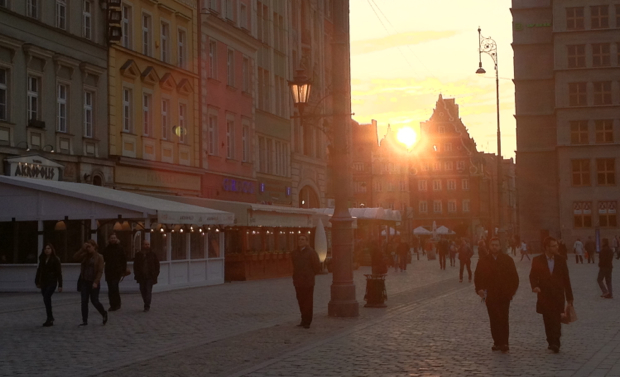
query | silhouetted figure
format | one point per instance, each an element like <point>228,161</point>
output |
<point>306,265</point>
<point>591,250</point>
<point>115,267</point>
<point>605,266</point>
<point>49,275</point>
<point>146,272</point>
<point>465,254</point>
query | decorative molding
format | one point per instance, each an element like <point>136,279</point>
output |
<point>34,51</point>
<point>165,8</point>
<point>89,69</point>
<point>184,87</point>
<point>183,15</point>
<point>149,75</point>
<point>167,82</point>
<point>130,69</point>
<point>65,61</point>
<point>11,44</point>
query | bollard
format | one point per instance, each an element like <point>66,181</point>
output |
<point>376,294</point>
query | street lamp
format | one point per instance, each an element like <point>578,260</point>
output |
<point>489,47</point>
<point>300,89</point>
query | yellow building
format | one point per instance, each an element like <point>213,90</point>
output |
<point>154,97</point>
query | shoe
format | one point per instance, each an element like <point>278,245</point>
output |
<point>504,349</point>
<point>495,348</point>
<point>554,348</point>
<point>48,323</point>
<point>306,326</point>
<point>300,325</point>
<point>604,295</point>
<point>105,318</point>
<point>608,296</point>
<point>460,281</point>
<point>146,309</point>
<point>112,309</point>
<point>83,324</point>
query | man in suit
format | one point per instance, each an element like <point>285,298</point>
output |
<point>306,265</point>
<point>549,279</point>
<point>115,267</point>
<point>496,281</point>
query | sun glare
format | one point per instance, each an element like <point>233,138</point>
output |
<point>407,136</point>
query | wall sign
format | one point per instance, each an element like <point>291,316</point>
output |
<point>518,26</point>
<point>35,167</point>
<point>233,185</point>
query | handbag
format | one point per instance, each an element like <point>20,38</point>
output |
<point>80,282</point>
<point>569,315</point>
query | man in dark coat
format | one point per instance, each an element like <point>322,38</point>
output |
<point>146,271</point>
<point>590,247</point>
<point>306,265</point>
<point>496,281</point>
<point>549,279</point>
<point>115,267</point>
<point>465,254</point>
<point>443,248</point>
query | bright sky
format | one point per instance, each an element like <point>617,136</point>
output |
<point>410,51</point>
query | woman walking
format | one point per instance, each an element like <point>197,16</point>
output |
<point>49,275</point>
<point>90,274</point>
<point>605,266</point>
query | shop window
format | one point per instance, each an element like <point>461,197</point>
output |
<point>159,245</point>
<point>576,56</point>
<point>233,242</point>
<point>582,214</point>
<point>179,245</point>
<point>579,132</point>
<point>67,237</point>
<point>18,245</point>
<point>197,245</point>
<point>256,241</point>
<point>607,214</point>
<point>214,244</point>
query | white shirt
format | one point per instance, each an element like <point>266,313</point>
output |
<point>578,248</point>
<point>523,246</point>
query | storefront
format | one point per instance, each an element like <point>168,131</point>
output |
<point>259,244</point>
<point>188,239</point>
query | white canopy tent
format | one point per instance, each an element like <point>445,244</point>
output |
<point>442,230</point>
<point>421,231</point>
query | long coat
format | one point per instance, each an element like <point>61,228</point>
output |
<point>306,265</point>
<point>554,287</point>
<point>498,277</point>
<point>115,262</point>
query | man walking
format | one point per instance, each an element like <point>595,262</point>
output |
<point>306,265</point>
<point>590,249</point>
<point>550,280</point>
<point>115,267</point>
<point>465,254</point>
<point>605,265</point>
<point>579,250</point>
<point>496,281</point>
<point>402,249</point>
<point>443,248</point>
<point>146,271</point>
<point>524,251</point>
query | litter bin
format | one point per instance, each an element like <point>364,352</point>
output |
<point>375,291</point>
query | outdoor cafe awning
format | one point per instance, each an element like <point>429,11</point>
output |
<point>26,199</point>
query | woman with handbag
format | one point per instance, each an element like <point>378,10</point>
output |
<point>90,277</point>
<point>49,275</point>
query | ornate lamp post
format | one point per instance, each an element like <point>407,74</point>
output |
<point>343,302</point>
<point>489,47</point>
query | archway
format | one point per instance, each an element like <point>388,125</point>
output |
<point>308,198</point>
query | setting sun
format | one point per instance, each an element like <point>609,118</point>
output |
<point>407,136</point>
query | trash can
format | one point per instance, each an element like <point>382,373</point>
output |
<point>375,291</point>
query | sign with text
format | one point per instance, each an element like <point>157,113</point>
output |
<point>35,167</point>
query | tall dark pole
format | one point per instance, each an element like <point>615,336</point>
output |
<point>343,302</point>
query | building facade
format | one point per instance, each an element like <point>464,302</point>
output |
<point>567,110</point>
<point>54,91</point>
<point>365,140</point>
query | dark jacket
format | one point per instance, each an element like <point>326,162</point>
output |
<point>84,258</point>
<point>606,258</point>
<point>115,262</point>
<point>554,287</point>
<point>590,247</point>
<point>402,249</point>
<point>443,247</point>
<point>306,264</point>
<point>48,273</point>
<point>465,253</point>
<point>377,259</point>
<point>498,277</point>
<point>146,266</point>
<point>563,251</point>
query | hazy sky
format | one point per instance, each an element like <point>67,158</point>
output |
<point>431,47</point>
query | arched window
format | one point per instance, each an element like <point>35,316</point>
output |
<point>308,198</point>
<point>97,181</point>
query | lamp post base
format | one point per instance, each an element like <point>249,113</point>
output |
<point>343,302</point>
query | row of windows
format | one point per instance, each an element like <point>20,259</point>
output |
<point>578,93</point>
<point>580,131</point>
<point>582,214</point>
<point>599,17</point>
<point>437,184</point>
<point>605,172</point>
<point>231,79</point>
<point>228,10</point>
<point>600,52</point>
<point>61,9</point>
<point>147,34</point>
<point>231,139</point>
<point>438,206</point>
<point>378,186</point>
<point>447,165</point>
<point>273,156</point>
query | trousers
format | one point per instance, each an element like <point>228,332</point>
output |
<point>553,328</point>
<point>500,327</point>
<point>604,273</point>
<point>442,261</point>
<point>463,264</point>
<point>146,290</point>
<point>93,293</point>
<point>47,292</point>
<point>114,294</point>
<point>305,299</point>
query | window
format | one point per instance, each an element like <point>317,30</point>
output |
<point>449,165</point>
<point>230,139</point>
<point>576,56</point>
<point>574,18</point>
<point>442,129</point>
<point>165,43</point>
<point>212,135</point>
<point>243,15</point>
<point>165,119</point>
<point>230,68</point>
<point>465,184</point>
<point>579,132</point>
<point>87,20</point>
<point>604,131</point>
<point>607,214</point>
<point>605,171</point>
<point>436,166</point>
<point>451,184</point>
<point>465,205</point>
<point>581,172</point>
<point>245,141</point>
<point>61,14</point>
<point>126,24</point>
<point>182,124</point>
<point>4,99</point>
<point>436,184</point>
<point>32,8</point>
<point>127,111</point>
<point>147,117</point>
<point>360,187</point>
<point>33,97</point>
<point>378,186</point>
<point>230,9</point>
<point>577,94</point>
<point>182,42</point>
<point>425,166</point>
<point>422,185</point>
<point>602,93</point>
<point>88,114</point>
<point>451,205</point>
<point>601,55</point>
<point>447,147</point>
<point>423,206</point>
<point>212,59</point>
<point>402,185</point>
<point>599,16</point>
<point>3,3</point>
<point>460,165</point>
<point>582,214</point>
<point>146,34</point>
<point>213,5</point>
<point>246,74</point>
<point>358,166</point>
<point>437,206</point>
<point>61,101</point>
<point>390,186</point>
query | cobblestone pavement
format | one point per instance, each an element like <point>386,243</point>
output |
<point>433,326</point>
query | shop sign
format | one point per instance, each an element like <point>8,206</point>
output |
<point>35,167</point>
<point>233,185</point>
<point>520,26</point>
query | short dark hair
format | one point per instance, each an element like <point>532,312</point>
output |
<point>547,241</point>
<point>605,242</point>
<point>494,239</point>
